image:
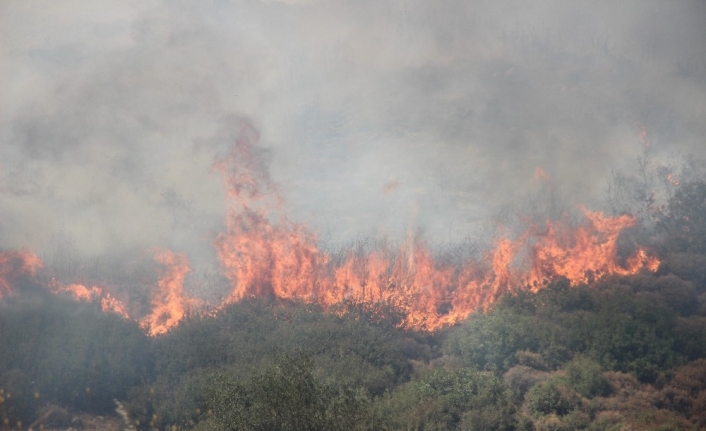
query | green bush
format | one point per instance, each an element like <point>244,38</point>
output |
<point>287,397</point>
<point>551,397</point>
<point>586,378</point>
<point>445,399</point>
<point>73,354</point>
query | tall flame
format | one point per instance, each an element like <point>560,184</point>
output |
<point>170,304</point>
<point>259,256</point>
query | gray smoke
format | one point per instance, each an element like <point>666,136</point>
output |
<point>381,116</point>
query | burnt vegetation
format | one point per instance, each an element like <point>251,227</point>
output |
<point>626,352</point>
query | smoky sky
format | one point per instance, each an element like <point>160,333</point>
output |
<point>377,117</point>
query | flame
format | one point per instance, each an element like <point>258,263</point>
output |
<point>584,253</point>
<point>81,292</point>
<point>109,304</point>
<point>672,179</point>
<point>170,304</point>
<point>14,264</point>
<point>260,257</point>
<point>263,253</point>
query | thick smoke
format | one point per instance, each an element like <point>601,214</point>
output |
<point>380,117</point>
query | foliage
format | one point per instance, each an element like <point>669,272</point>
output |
<point>550,397</point>
<point>444,399</point>
<point>286,396</point>
<point>625,327</point>
<point>70,354</point>
<point>586,378</point>
<point>683,227</point>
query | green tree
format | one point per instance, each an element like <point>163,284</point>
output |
<point>683,227</point>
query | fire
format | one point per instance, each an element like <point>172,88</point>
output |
<point>80,292</point>
<point>259,256</point>
<point>585,253</point>
<point>109,304</point>
<point>15,264</point>
<point>672,179</point>
<point>263,253</point>
<point>170,304</point>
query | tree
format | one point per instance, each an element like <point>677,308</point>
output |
<point>683,227</point>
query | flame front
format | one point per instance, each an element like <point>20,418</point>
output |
<point>264,254</point>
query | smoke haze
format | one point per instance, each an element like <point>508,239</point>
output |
<point>377,117</point>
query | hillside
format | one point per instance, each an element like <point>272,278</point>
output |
<point>623,352</point>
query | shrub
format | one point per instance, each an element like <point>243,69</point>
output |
<point>286,396</point>
<point>586,378</point>
<point>550,397</point>
<point>451,399</point>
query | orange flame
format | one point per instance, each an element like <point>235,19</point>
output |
<point>170,304</point>
<point>14,264</point>
<point>264,255</point>
<point>585,253</point>
<point>109,304</point>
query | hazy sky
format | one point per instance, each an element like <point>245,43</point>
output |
<point>379,116</point>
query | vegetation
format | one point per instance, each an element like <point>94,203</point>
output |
<point>624,353</point>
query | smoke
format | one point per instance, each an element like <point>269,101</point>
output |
<point>378,117</point>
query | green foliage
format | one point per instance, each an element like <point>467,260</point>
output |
<point>71,354</point>
<point>350,347</point>
<point>683,227</point>
<point>286,396</point>
<point>357,352</point>
<point>551,397</point>
<point>586,378</point>
<point>686,266</point>
<point>626,327</point>
<point>451,399</point>
<point>489,341</point>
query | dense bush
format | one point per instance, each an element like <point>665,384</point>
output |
<point>71,354</point>
<point>628,324</point>
<point>683,226</point>
<point>351,350</point>
<point>286,396</point>
<point>444,399</point>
